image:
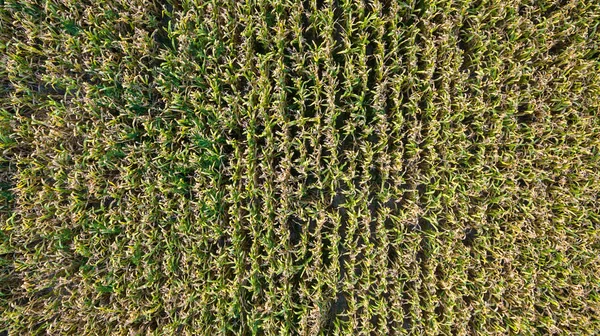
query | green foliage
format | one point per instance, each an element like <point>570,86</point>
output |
<point>320,167</point>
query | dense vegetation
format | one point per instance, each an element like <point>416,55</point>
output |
<point>299,167</point>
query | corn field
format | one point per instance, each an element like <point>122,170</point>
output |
<point>284,167</point>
